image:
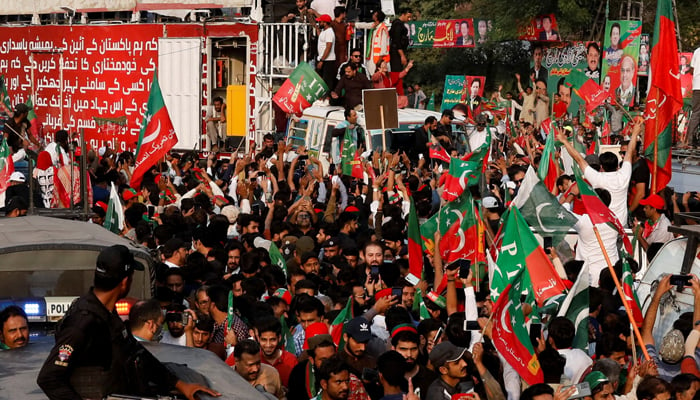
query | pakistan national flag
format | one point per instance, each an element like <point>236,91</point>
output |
<point>520,250</point>
<point>575,308</point>
<point>541,208</point>
<point>114,219</point>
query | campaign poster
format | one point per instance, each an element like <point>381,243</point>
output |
<point>460,89</point>
<point>482,31</point>
<point>421,34</point>
<point>644,53</point>
<point>686,74</point>
<point>454,33</point>
<point>620,60</point>
<point>541,28</point>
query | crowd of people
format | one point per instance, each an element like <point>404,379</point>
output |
<point>298,276</point>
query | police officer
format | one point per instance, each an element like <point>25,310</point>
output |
<point>94,354</point>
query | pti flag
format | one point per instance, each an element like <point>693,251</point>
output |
<point>664,99</point>
<point>521,251</point>
<point>5,105</point>
<point>587,89</point>
<point>300,90</point>
<point>35,125</point>
<point>157,134</point>
<point>427,233</point>
<point>511,337</point>
<point>415,250</point>
<point>547,170</point>
<point>460,175</point>
<point>461,240</point>
<point>7,166</point>
<point>338,326</point>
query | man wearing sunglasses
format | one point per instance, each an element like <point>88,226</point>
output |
<point>355,57</point>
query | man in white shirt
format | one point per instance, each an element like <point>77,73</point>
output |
<point>561,337</point>
<point>692,136</point>
<point>326,51</point>
<point>613,179</point>
<point>176,328</point>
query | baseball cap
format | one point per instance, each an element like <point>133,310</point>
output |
<point>672,346</point>
<point>595,379</point>
<point>358,329</point>
<point>312,332</point>
<point>489,202</point>
<point>116,262</point>
<point>324,18</point>
<point>21,108</point>
<point>330,243</point>
<point>100,208</point>
<point>17,177</point>
<point>654,200</point>
<point>129,194</point>
<point>445,352</point>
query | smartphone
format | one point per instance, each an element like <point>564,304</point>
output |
<point>374,273</point>
<point>471,326</point>
<point>583,389</point>
<point>464,269</point>
<point>151,211</point>
<point>397,292</point>
<point>535,333</point>
<point>680,280</point>
<point>453,266</point>
<point>547,243</point>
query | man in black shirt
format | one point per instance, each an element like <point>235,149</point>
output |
<point>422,139</point>
<point>398,37</point>
<point>94,354</point>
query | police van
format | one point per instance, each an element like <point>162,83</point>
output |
<point>315,126</point>
<point>46,263</point>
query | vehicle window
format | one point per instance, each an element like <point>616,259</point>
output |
<point>329,139</point>
<point>376,135</point>
<point>43,283</point>
<point>297,133</point>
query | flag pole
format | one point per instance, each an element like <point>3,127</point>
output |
<point>621,292</point>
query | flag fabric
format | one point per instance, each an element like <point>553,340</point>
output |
<point>114,218</point>
<point>541,208</point>
<point>5,104</point>
<point>300,90</point>
<point>510,336</point>
<point>7,166</point>
<point>575,308</point>
<point>461,241</point>
<point>460,175</point>
<point>431,103</point>
<point>276,257</point>
<point>157,135</point>
<point>427,233</point>
<point>520,251</point>
<point>598,212</point>
<point>415,250</point>
<point>287,337</point>
<point>35,125</point>
<point>627,282</point>
<point>348,153</point>
<point>664,99</point>
<point>338,325</point>
<point>453,212</point>
<point>420,304</point>
<point>547,170</point>
<point>587,89</point>
<point>436,151</point>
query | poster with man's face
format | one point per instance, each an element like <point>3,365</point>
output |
<point>454,33</point>
<point>620,60</point>
<point>686,74</point>
<point>461,89</point>
<point>482,28</point>
<point>644,56</point>
<point>541,28</point>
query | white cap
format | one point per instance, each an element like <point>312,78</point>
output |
<point>489,202</point>
<point>17,177</point>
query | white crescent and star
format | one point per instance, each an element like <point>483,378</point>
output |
<point>538,210</point>
<point>503,314</point>
<point>152,136</point>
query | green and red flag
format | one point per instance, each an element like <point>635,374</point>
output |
<point>287,337</point>
<point>548,170</point>
<point>541,208</point>
<point>587,89</point>
<point>575,308</point>
<point>5,104</point>
<point>419,305</point>
<point>431,103</point>
<point>436,151</point>
<point>276,257</point>
<point>627,282</point>
<point>157,135</point>
<point>338,325</point>
<point>427,233</point>
<point>350,159</point>
<point>510,336</point>
<point>7,166</point>
<point>519,251</point>
<point>598,212</point>
<point>461,241</point>
<point>460,175</point>
<point>415,250</point>
<point>664,99</point>
<point>300,90</point>
<point>36,127</point>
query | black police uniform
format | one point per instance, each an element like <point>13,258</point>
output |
<point>95,355</point>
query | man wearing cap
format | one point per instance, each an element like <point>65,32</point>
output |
<point>93,345</point>
<point>655,228</point>
<point>326,51</point>
<point>405,340</point>
<point>448,361</point>
<point>601,388</point>
<point>302,380</point>
<point>18,187</point>
<point>16,129</point>
<point>357,335</point>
